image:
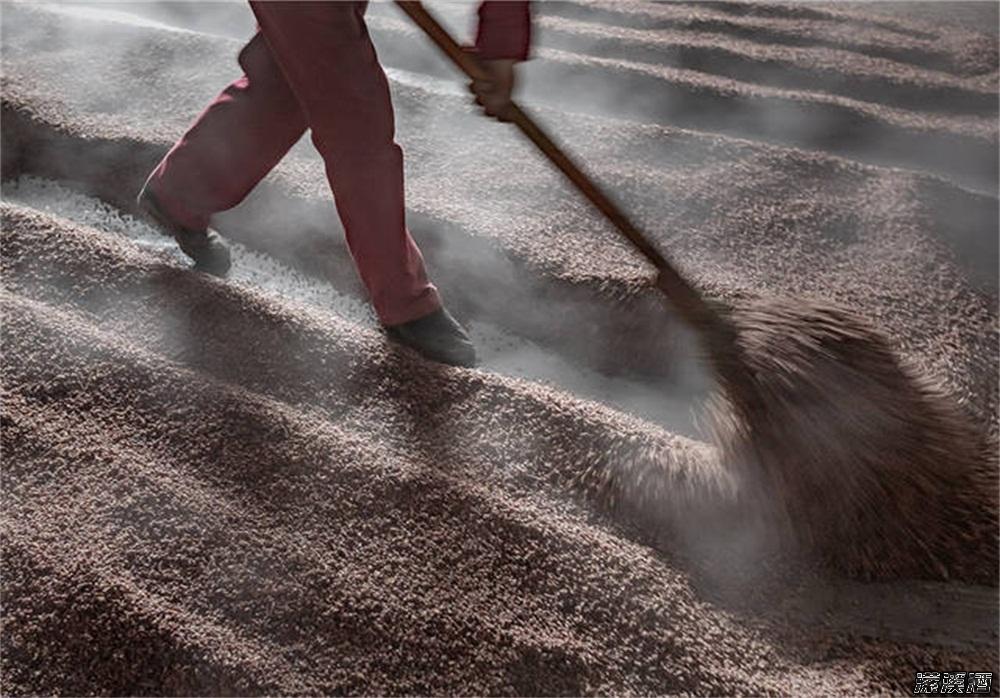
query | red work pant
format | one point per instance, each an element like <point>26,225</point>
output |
<point>310,65</point>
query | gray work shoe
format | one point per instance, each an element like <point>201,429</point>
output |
<point>206,247</point>
<point>438,337</point>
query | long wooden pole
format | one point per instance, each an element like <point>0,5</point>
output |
<point>682,295</point>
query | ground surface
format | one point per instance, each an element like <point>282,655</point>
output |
<point>240,487</point>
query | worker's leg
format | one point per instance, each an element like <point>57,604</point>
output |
<point>235,142</point>
<point>327,57</point>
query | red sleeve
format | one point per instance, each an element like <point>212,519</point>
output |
<point>504,29</point>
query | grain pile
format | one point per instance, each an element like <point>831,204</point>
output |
<point>212,489</point>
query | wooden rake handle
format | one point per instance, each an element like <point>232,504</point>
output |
<point>682,294</point>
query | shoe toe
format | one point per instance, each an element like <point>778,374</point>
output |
<point>217,266</point>
<point>208,250</point>
<point>459,354</point>
<point>206,247</point>
<point>438,337</point>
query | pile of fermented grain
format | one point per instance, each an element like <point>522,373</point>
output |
<point>210,492</point>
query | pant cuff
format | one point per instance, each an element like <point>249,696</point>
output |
<point>398,313</point>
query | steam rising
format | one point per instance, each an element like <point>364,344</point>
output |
<point>499,350</point>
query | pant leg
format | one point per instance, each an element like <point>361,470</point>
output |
<point>233,144</point>
<point>329,61</point>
